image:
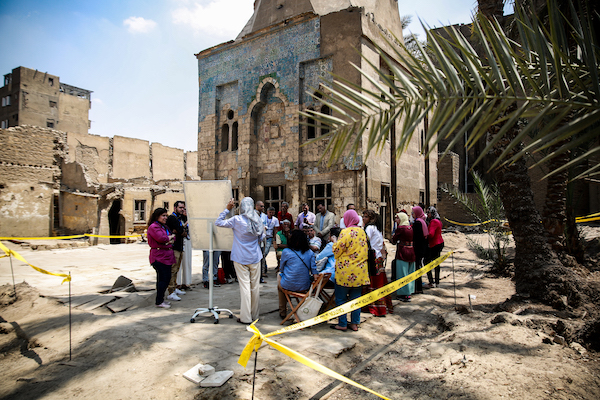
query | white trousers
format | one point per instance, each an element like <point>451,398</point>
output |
<point>184,276</point>
<point>249,280</point>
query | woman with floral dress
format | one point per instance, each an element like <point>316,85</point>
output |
<point>351,268</point>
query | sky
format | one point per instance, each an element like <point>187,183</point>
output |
<point>137,56</point>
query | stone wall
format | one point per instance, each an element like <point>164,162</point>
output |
<point>84,177</point>
<point>91,151</point>
<point>131,158</point>
<point>29,159</point>
<point>167,163</point>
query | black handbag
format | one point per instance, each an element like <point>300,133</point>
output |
<point>371,259</point>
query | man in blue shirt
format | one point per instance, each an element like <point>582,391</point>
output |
<point>248,231</point>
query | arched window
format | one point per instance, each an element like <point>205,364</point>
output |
<point>234,136</point>
<point>325,127</point>
<point>225,138</point>
<point>310,129</point>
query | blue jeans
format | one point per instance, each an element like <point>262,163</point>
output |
<point>206,262</point>
<point>265,251</point>
<point>343,295</point>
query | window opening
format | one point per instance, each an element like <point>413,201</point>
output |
<point>139,211</point>
<point>325,127</point>
<point>310,129</point>
<point>319,194</point>
<point>274,196</point>
<point>234,136</point>
<point>236,196</point>
<point>225,138</point>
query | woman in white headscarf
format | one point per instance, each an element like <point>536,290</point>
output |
<point>248,231</point>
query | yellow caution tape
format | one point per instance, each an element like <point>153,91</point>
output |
<point>587,220</point>
<point>42,238</point>
<point>256,341</point>
<point>112,236</point>
<point>258,338</point>
<point>475,223</point>
<point>587,216</point>
<point>43,271</point>
<point>69,237</point>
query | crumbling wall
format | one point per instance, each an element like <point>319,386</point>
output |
<point>131,158</point>
<point>29,175</point>
<point>79,212</point>
<point>167,163</point>
<point>191,166</point>
<point>92,152</point>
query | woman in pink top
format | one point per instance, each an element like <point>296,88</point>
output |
<point>436,244</point>
<point>162,257</point>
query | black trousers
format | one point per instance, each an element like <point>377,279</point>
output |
<point>418,282</point>
<point>227,264</point>
<point>163,277</point>
<point>433,253</point>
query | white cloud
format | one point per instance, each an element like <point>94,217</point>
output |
<point>139,24</point>
<point>220,18</point>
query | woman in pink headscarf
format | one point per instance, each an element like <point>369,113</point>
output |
<point>420,233</point>
<point>351,268</point>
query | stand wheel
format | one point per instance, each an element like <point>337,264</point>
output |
<point>219,312</point>
<point>216,321</point>
<point>230,315</point>
<point>192,320</point>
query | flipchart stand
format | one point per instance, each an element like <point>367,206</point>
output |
<point>211,309</point>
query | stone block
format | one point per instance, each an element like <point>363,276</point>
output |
<point>198,373</point>
<point>217,379</point>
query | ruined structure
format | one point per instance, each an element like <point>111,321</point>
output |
<point>31,97</point>
<point>70,182</point>
<point>252,88</point>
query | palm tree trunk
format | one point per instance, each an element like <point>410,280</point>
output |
<point>554,214</point>
<point>538,272</point>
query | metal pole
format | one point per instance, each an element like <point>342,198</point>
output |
<point>70,346</point>
<point>454,280</point>
<point>13,275</point>
<point>210,265</point>
<point>254,376</point>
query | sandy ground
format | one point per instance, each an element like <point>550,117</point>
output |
<point>425,350</point>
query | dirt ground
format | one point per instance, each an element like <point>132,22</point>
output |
<point>426,349</point>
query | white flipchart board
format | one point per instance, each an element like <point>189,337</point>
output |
<point>204,201</point>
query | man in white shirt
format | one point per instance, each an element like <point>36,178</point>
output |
<point>351,207</point>
<point>305,217</point>
<point>271,223</point>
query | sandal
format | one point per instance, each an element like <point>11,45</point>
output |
<point>338,328</point>
<point>353,327</point>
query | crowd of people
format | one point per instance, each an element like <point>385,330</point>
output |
<point>353,252</point>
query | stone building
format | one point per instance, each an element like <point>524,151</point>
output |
<point>252,88</point>
<point>55,178</point>
<point>54,182</point>
<point>31,97</point>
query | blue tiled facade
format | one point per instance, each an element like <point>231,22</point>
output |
<point>232,73</point>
